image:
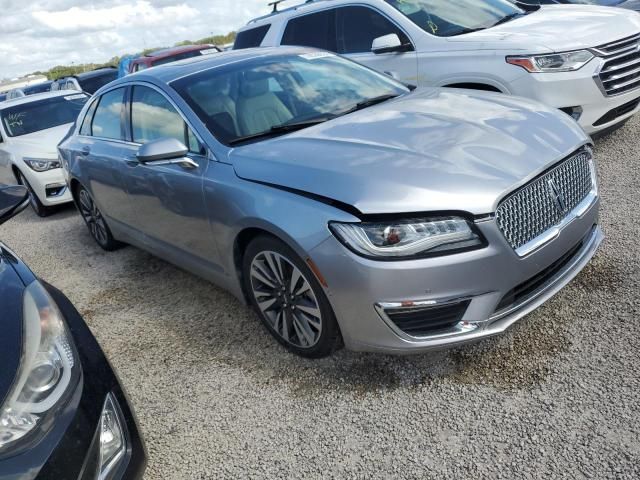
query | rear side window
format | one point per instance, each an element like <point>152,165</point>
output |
<point>251,38</point>
<point>358,27</point>
<point>106,121</point>
<point>314,30</point>
<point>85,128</point>
<point>154,117</point>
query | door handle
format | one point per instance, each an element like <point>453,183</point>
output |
<point>86,150</point>
<point>132,161</point>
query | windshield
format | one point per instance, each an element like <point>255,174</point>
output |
<point>92,84</point>
<point>35,116</point>
<point>261,96</point>
<point>446,18</point>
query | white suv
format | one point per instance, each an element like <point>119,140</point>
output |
<point>30,129</point>
<point>582,59</point>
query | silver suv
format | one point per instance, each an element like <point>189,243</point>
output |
<point>336,201</point>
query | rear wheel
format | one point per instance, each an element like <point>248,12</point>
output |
<point>38,207</point>
<point>289,299</point>
<point>95,221</point>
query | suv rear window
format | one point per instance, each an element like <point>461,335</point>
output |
<point>314,30</point>
<point>251,38</point>
<point>94,83</point>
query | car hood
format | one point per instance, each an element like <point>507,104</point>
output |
<point>43,142</point>
<point>11,291</point>
<point>537,32</point>
<point>434,149</point>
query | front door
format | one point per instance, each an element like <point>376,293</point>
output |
<point>356,29</point>
<point>167,200</point>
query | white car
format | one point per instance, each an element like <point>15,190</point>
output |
<point>582,59</point>
<point>30,129</point>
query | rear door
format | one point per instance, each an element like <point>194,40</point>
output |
<point>101,145</point>
<point>168,200</point>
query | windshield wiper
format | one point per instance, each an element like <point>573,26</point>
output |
<point>280,129</point>
<point>369,103</point>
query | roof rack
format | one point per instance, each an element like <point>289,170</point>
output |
<point>275,10</point>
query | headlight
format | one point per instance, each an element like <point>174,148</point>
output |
<point>555,62</point>
<point>41,164</point>
<point>47,373</point>
<point>411,238</point>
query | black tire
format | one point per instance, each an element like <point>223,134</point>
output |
<point>40,209</point>
<point>94,220</point>
<point>304,337</point>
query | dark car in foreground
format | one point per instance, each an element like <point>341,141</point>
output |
<point>63,413</point>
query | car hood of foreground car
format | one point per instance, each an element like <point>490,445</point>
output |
<point>430,150</point>
<point>537,32</point>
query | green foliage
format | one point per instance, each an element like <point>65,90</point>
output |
<point>66,70</point>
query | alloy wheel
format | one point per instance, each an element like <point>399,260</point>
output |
<point>92,217</point>
<point>286,299</point>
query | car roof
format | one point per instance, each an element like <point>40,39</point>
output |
<point>95,73</point>
<point>167,52</point>
<point>37,96</point>
<point>182,68</point>
<point>305,5</point>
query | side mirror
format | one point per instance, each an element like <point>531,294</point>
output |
<point>13,199</point>
<point>389,43</point>
<point>165,151</point>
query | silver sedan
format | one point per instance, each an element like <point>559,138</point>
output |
<point>345,207</point>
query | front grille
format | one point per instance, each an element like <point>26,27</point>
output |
<point>422,321</point>
<point>621,70</point>
<point>530,287</point>
<point>545,201</point>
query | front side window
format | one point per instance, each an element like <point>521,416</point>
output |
<point>270,95</point>
<point>43,114</point>
<point>107,118</point>
<point>446,18</point>
<point>314,30</point>
<point>251,38</point>
<point>358,27</point>
<point>154,117</point>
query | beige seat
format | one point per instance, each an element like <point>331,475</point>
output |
<point>214,99</point>
<point>258,108</point>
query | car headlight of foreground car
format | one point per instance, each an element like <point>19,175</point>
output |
<point>554,62</point>
<point>48,372</point>
<point>408,238</point>
<point>113,444</point>
<point>41,164</point>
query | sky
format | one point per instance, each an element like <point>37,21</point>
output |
<point>38,35</point>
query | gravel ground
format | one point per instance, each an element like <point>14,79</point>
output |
<point>557,396</point>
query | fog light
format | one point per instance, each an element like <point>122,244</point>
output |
<point>573,112</point>
<point>113,443</point>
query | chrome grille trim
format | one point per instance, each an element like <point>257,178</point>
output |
<point>536,213</point>
<point>620,69</point>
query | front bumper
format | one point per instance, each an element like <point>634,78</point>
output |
<point>577,89</point>
<point>358,287</point>
<point>50,186</point>
<point>70,449</point>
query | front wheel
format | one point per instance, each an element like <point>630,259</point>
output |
<point>289,299</point>
<point>95,221</point>
<point>38,207</point>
